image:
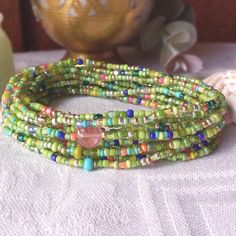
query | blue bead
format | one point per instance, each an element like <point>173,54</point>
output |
<point>140,67</point>
<point>140,156</point>
<point>196,147</point>
<point>61,135</point>
<point>125,92</point>
<point>201,136</point>
<point>88,164</point>
<point>122,72</point>
<point>205,143</point>
<point>169,134</point>
<point>152,135</point>
<point>116,142</point>
<point>139,100</point>
<point>80,61</point>
<point>135,142</point>
<point>54,157</point>
<point>130,113</point>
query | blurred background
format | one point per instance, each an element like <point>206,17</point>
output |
<point>216,22</point>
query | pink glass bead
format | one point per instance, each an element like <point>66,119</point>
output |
<point>218,139</point>
<point>161,80</point>
<point>130,100</point>
<point>49,111</point>
<point>89,137</point>
<point>143,102</point>
<point>147,96</point>
<point>228,117</point>
<point>103,77</point>
<point>45,66</point>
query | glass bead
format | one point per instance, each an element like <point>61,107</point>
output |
<point>130,113</point>
<point>88,164</point>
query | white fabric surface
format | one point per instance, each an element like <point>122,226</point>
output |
<point>40,197</point>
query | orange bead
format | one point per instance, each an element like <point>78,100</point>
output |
<point>110,158</point>
<point>73,136</point>
<point>194,86</point>
<point>123,152</point>
<point>154,105</point>
<point>122,165</point>
<point>144,148</point>
<point>205,107</point>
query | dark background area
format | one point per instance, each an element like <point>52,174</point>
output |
<point>216,22</point>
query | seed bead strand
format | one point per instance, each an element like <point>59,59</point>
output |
<point>184,121</point>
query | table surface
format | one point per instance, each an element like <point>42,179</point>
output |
<point>40,197</point>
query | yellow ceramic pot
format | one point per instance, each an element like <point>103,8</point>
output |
<point>92,28</point>
<point>6,59</point>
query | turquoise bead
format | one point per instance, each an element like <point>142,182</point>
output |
<point>84,123</point>
<point>21,137</point>
<point>128,151</point>
<point>49,131</point>
<point>109,122</point>
<point>179,95</point>
<point>166,91</point>
<point>88,164</point>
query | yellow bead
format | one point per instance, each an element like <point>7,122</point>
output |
<point>54,146</point>
<point>193,155</point>
<point>153,73</point>
<point>78,152</point>
<point>71,162</point>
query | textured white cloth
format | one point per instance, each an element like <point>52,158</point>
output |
<point>40,197</point>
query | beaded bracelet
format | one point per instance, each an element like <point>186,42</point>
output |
<point>184,121</point>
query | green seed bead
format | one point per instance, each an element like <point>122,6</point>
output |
<point>105,163</point>
<point>7,131</point>
<point>141,135</point>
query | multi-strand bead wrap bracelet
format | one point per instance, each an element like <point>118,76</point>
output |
<point>184,120</point>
